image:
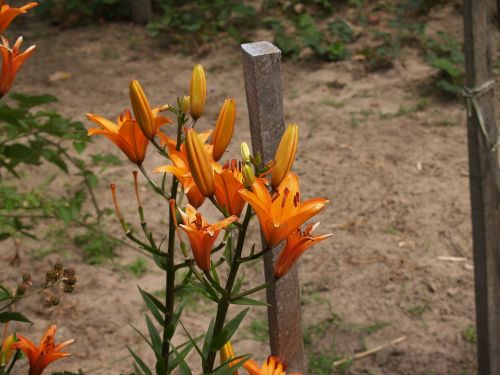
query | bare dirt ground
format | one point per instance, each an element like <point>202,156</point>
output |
<point>396,178</point>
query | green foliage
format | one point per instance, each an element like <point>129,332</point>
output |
<point>98,247</point>
<point>195,22</point>
<point>68,13</point>
<point>445,54</point>
<point>470,335</point>
<point>31,137</point>
<point>137,268</point>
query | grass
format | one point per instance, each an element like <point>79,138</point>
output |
<point>259,330</point>
<point>137,268</point>
<point>416,311</point>
<point>332,103</point>
<point>469,334</point>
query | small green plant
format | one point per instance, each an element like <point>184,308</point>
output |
<point>445,54</point>
<point>137,268</point>
<point>469,334</point>
<point>259,330</point>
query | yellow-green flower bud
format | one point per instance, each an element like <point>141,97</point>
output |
<point>199,164</point>
<point>248,175</point>
<point>142,110</point>
<point>198,92</point>
<point>285,154</point>
<point>224,128</point>
<point>186,105</point>
<point>245,152</point>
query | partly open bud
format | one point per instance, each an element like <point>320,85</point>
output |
<point>198,92</point>
<point>245,152</point>
<point>199,164</point>
<point>248,175</point>
<point>285,154</point>
<point>142,109</point>
<point>224,128</point>
<point>186,104</point>
<point>227,353</point>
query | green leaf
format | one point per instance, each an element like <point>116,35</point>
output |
<point>183,367</point>
<point>19,153</point>
<point>155,338</point>
<point>4,293</point>
<point>79,146</point>
<point>227,332</point>
<point>227,368</point>
<point>170,328</point>
<point>154,305</point>
<point>207,343</point>
<point>140,362</point>
<point>9,316</point>
<point>29,101</point>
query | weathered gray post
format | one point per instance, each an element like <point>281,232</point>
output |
<point>262,72</point>
<point>484,174</point>
<point>141,11</point>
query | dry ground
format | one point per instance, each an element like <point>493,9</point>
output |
<point>396,177</point>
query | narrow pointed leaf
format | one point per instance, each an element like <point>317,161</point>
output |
<point>228,331</point>
<point>140,362</point>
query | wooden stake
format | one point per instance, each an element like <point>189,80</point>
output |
<point>484,183</point>
<point>262,71</point>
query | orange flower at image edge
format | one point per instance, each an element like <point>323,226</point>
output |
<point>45,353</point>
<point>283,212</point>
<point>7,13</point>
<point>201,234</point>
<point>12,61</point>
<point>272,366</point>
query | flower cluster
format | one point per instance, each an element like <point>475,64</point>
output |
<point>12,58</point>
<point>267,188</point>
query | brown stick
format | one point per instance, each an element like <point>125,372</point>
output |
<point>483,177</point>
<point>371,351</point>
<point>262,70</point>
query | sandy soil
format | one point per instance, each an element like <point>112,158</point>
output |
<point>397,181</point>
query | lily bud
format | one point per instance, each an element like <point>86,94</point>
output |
<point>248,175</point>
<point>186,104</point>
<point>224,128</point>
<point>142,109</point>
<point>245,152</point>
<point>285,154</point>
<point>6,350</point>
<point>198,92</point>
<point>199,164</point>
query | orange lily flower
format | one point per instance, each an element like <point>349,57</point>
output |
<point>283,212</point>
<point>201,234</point>
<point>296,243</point>
<point>180,169</point>
<point>46,352</point>
<point>12,61</point>
<point>273,366</point>
<point>227,184</point>
<point>227,353</point>
<point>126,134</point>
<point>7,13</point>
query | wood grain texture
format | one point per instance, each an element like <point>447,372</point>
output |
<point>262,72</point>
<point>142,11</point>
<point>484,193</point>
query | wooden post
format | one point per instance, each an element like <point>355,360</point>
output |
<point>262,71</point>
<point>141,11</point>
<point>484,182</point>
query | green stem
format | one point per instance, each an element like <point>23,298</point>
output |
<point>153,184</point>
<point>226,298</point>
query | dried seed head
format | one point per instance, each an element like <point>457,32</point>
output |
<point>58,266</point>
<point>70,280</point>
<point>68,288</point>
<point>51,276</point>
<point>54,300</point>
<point>26,277</point>
<point>69,272</point>
<point>21,289</point>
